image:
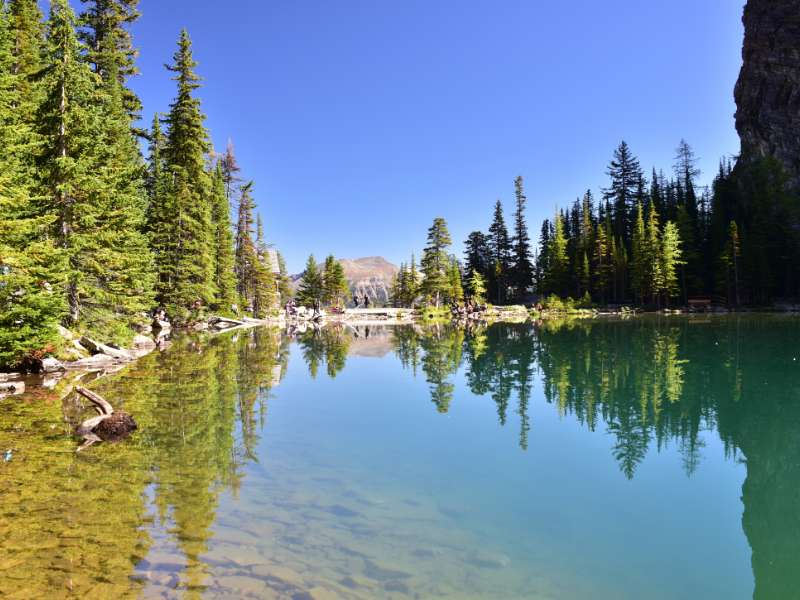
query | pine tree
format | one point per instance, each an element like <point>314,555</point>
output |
<point>31,267</point>
<point>435,261</point>
<point>500,252</point>
<point>28,49</point>
<point>263,286</point>
<point>477,286</point>
<point>311,286</point>
<point>110,48</point>
<point>477,254</point>
<point>334,283</point>
<point>92,178</point>
<point>455,291</point>
<point>543,260</point>
<point>651,264</point>
<point>625,174</point>
<point>412,285</point>
<point>729,265</point>
<point>640,276</point>
<point>601,260</point>
<point>283,283</point>
<point>669,259</point>
<point>230,171</point>
<point>522,269</point>
<point>186,264</point>
<point>246,259</point>
<point>558,264</point>
<point>224,258</point>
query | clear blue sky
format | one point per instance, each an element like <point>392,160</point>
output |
<point>361,121</point>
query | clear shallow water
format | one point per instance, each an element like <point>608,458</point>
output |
<point>652,458</point>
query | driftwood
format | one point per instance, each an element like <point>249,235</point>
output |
<point>224,322</point>
<point>108,426</point>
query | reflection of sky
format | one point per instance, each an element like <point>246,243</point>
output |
<point>563,508</point>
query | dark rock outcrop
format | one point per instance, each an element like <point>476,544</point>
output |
<point>768,91</point>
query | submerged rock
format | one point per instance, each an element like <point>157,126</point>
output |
<point>12,388</point>
<point>52,365</point>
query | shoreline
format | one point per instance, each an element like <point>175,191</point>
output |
<point>105,359</point>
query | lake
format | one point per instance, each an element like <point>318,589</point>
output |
<point>655,457</point>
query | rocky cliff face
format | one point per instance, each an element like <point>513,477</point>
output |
<point>371,276</point>
<point>768,91</point>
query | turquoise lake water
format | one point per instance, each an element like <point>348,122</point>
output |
<point>657,457</point>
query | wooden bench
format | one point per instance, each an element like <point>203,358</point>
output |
<point>699,304</point>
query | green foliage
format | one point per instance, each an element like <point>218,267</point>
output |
<point>312,285</point>
<point>184,245</point>
<point>435,262</point>
<point>477,287</point>
<point>255,281</point>
<point>91,178</point>
<point>334,283</point>
<point>500,248</point>
<point>224,257</point>
<point>522,268</point>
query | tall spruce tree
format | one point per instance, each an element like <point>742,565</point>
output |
<point>522,269</point>
<point>500,248</point>
<point>224,257</point>
<point>435,262</point>
<point>186,262</point>
<point>31,266</point>
<point>92,179</point>
<point>670,259</point>
<point>109,47</point>
<point>558,263</point>
<point>477,254</point>
<point>283,283</point>
<point>334,283</point>
<point>626,175</point>
<point>312,285</point>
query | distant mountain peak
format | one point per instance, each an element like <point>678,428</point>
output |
<point>369,275</point>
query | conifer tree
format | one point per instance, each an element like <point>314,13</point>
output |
<point>230,171</point>
<point>91,178</point>
<point>412,285</point>
<point>651,263</point>
<point>455,292</point>
<point>334,283</point>
<point>601,260</point>
<point>110,48</point>
<point>283,283</point>
<point>477,286</point>
<point>500,248</point>
<point>666,279</point>
<point>224,258</point>
<point>27,47</point>
<point>522,269</point>
<point>186,263</point>
<point>639,267</point>
<point>263,291</point>
<point>311,285</point>
<point>558,264</point>
<point>477,254</point>
<point>625,174</point>
<point>543,260</point>
<point>729,265</point>
<point>31,267</point>
<point>435,261</point>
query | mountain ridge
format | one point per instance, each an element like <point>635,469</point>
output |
<point>369,276</point>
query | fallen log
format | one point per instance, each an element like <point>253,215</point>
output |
<point>108,426</point>
<point>224,322</point>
